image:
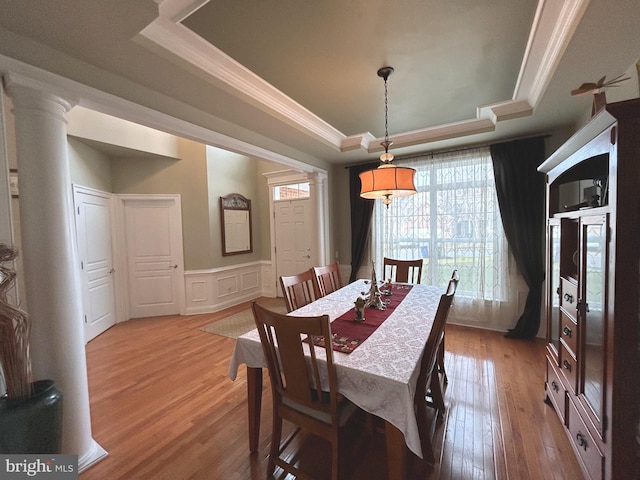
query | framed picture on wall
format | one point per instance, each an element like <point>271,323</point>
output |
<point>13,182</point>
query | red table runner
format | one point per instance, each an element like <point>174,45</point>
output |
<point>348,334</point>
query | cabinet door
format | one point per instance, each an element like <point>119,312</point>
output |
<point>553,294</point>
<point>593,313</point>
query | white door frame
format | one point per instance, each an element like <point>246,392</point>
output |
<point>121,249</point>
<point>319,196</point>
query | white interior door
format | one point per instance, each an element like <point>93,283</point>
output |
<point>94,235</point>
<point>293,237</point>
<point>153,239</point>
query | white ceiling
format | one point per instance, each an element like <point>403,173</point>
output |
<point>299,78</point>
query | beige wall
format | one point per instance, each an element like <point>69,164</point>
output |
<point>201,176</point>
<point>186,177</point>
<point>227,173</point>
<point>89,167</point>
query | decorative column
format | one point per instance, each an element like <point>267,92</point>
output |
<point>319,212</point>
<point>50,258</point>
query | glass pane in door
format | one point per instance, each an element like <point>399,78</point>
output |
<point>594,277</point>
<point>554,286</point>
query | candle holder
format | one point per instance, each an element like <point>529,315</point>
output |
<point>359,309</point>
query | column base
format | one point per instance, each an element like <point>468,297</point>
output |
<point>95,454</point>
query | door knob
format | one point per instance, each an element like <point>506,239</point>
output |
<point>174,266</point>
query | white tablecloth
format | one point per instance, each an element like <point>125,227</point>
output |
<point>380,375</point>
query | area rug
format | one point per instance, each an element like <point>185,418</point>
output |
<point>242,322</point>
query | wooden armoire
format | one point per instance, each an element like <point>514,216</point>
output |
<point>593,291</point>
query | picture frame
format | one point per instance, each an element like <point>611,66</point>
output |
<point>13,183</point>
<point>235,224</point>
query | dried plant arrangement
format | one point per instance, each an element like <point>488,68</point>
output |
<point>15,361</point>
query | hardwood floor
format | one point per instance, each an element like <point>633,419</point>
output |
<point>163,407</point>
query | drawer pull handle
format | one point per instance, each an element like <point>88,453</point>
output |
<point>566,365</point>
<point>582,442</point>
<point>579,306</point>
<point>567,331</point>
<point>568,298</point>
<point>555,387</point>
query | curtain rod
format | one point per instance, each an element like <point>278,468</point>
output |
<point>459,149</point>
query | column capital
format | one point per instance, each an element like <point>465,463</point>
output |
<point>317,177</point>
<point>33,94</point>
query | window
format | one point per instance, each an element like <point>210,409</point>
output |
<point>452,222</point>
<point>291,192</point>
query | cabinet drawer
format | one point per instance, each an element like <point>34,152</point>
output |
<point>569,332</point>
<point>556,390</point>
<point>569,297</point>
<point>591,458</point>
<point>569,367</point>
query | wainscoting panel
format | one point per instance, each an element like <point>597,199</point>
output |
<point>250,280</point>
<point>212,290</point>
<point>227,286</point>
<point>270,286</point>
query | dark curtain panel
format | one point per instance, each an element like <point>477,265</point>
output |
<point>521,197</point>
<point>361,213</point>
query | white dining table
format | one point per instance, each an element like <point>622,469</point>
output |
<point>379,376</point>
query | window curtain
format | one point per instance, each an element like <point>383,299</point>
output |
<point>361,211</point>
<point>454,222</point>
<point>521,190</point>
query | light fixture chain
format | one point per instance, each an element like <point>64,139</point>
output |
<point>386,112</point>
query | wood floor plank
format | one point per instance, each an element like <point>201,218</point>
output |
<point>163,407</point>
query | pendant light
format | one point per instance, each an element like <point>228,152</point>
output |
<point>387,181</point>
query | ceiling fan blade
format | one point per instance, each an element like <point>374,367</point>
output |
<point>615,81</point>
<point>584,89</point>
<point>599,86</point>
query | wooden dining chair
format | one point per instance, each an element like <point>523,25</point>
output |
<point>428,399</point>
<point>299,290</point>
<point>453,283</point>
<point>327,278</point>
<point>297,393</point>
<point>402,271</point>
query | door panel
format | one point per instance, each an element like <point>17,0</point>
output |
<point>153,231</point>
<point>293,239</point>
<point>93,233</point>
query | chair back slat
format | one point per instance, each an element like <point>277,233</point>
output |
<point>299,290</point>
<point>402,271</point>
<point>328,278</point>
<point>292,349</point>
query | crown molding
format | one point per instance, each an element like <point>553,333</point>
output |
<point>15,72</point>
<point>554,23</point>
<point>357,142</point>
<point>437,133</point>
<point>237,79</point>
<point>508,110</point>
